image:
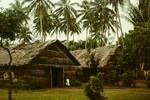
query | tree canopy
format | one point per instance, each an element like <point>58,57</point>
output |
<point>11,23</point>
<point>137,47</point>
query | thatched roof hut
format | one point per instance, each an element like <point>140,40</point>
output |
<point>46,62</point>
<point>105,59</point>
<point>101,55</point>
<point>26,54</point>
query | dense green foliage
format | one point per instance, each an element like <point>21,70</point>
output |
<point>127,78</point>
<point>12,23</point>
<point>135,52</point>
<point>90,43</point>
<point>41,11</point>
<point>63,17</point>
<point>148,82</point>
<point>136,47</point>
<point>114,77</point>
<point>67,14</point>
<point>94,88</point>
<point>139,14</point>
<point>97,19</point>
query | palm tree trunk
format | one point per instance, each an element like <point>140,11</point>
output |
<point>120,28</point>
<point>73,37</point>
<point>91,42</point>
<point>117,30</point>
<point>148,15</point>
<point>86,40</point>
<point>41,28</point>
<point>67,38</point>
<point>56,36</point>
<point>41,25</point>
<point>1,44</point>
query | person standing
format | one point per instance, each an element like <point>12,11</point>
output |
<point>67,82</point>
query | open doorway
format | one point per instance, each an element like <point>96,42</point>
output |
<point>57,77</point>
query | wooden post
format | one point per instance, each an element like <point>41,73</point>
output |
<point>63,79</point>
<point>51,80</point>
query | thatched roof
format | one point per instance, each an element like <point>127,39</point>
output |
<point>24,54</point>
<point>101,55</point>
<point>104,60</point>
<point>4,57</point>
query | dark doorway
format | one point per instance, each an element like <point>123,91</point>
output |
<point>57,77</point>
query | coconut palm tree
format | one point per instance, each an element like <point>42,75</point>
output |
<point>85,18</point>
<point>139,14</point>
<point>18,6</point>
<point>40,9</point>
<point>98,18</point>
<point>115,4</point>
<point>135,16</point>
<point>25,36</point>
<point>56,23</point>
<point>102,19</point>
<point>68,18</point>
<point>144,6</point>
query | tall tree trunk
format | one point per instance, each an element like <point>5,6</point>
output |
<point>120,28</point>
<point>67,38</point>
<point>73,40</point>
<point>41,26</point>
<point>117,30</point>
<point>1,42</point>
<point>56,36</point>
<point>86,40</point>
<point>10,75</point>
<point>91,42</point>
<point>73,37</point>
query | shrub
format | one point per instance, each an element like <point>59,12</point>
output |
<point>148,81</point>
<point>37,84</point>
<point>127,78</point>
<point>21,86</point>
<point>4,83</point>
<point>94,88</point>
<point>114,78</point>
<point>75,83</point>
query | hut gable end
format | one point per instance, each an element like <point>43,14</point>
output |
<point>54,54</point>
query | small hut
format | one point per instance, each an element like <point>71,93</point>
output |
<point>41,64</point>
<point>106,57</point>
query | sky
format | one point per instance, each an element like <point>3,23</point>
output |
<point>126,26</point>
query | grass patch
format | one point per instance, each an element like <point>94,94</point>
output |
<point>127,94</point>
<point>76,94</point>
<point>48,94</point>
